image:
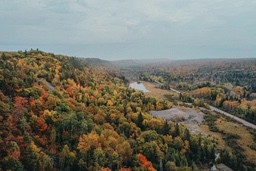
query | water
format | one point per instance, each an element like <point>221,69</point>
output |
<point>138,86</point>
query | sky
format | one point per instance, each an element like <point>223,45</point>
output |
<point>131,29</point>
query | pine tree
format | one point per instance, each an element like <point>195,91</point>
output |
<point>186,135</point>
<point>140,120</point>
<point>177,130</point>
<point>165,128</point>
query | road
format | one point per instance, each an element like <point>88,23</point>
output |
<point>176,91</point>
<point>242,121</point>
<point>49,86</point>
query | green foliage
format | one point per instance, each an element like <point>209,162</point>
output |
<point>57,113</point>
<point>10,163</point>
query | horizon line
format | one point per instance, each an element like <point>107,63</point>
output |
<point>136,59</point>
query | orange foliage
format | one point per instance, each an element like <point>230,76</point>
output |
<point>20,102</point>
<point>19,107</point>
<point>145,163</point>
<point>32,102</point>
<point>70,91</point>
<point>204,91</point>
<point>41,140</point>
<point>41,124</point>
<point>3,97</point>
<point>72,103</point>
<point>72,87</point>
<point>105,169</point>
<point>110,103</point>
<point>44,94</point>
<point>230,104</point>
<point>90,141</point>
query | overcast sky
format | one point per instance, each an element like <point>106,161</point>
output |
<point>122,29</point>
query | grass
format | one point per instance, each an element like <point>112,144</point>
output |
<point>217,137</point>
<point>157,92</point>
<point>210,120</point>
<point>244,138</point>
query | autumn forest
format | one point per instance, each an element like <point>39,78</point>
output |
<point>67,113</point>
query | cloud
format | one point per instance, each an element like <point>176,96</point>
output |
<point>145,27</point>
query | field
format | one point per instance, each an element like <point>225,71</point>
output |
<point>244,137</point>
<point>156,92</point>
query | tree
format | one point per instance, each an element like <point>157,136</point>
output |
<point>153,152</point>
<point>124,169</point>
<point>145,164</point>
<point>140,120</point>
<point>166,128</point>
<point>99,158</point>
<point>170,166</point>
<point>124,151</point>
<point>177,130</point>
<point>66,158</point>
<point>10,163</point>
<point>42,126</point>
<point>186,135</point>
<point>37,159</point>
<point>194,167</point>
<point>14,150</point>
<point>87,142</point>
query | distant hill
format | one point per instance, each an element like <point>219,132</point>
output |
<point>96,62</point>
<point>138,62</point>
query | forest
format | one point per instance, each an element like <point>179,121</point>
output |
<point>61,113</point>
<point>229,84</point>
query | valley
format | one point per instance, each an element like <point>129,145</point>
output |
<point>66,113</point>
<point>223,124</point>
<point>131,85</point>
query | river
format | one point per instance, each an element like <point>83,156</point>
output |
<point>138,86</point>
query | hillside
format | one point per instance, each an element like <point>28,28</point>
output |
<point>60,113</point>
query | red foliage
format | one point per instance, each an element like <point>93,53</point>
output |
<point>145,163</point>
<point>41,140</point>
<point>20,104</point>
<point>20,101</point>
<point>41,124</point>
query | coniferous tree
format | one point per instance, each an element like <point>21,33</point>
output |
<point>140,120</point>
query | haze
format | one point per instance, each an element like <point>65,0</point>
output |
<point>122,29</point>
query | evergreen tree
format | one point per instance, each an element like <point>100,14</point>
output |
<point>177,130</point>
<point>166,128</point>
<point>140,120</point>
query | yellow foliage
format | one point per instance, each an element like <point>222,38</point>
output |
<point>90,141</point>
<point>110,103</point>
